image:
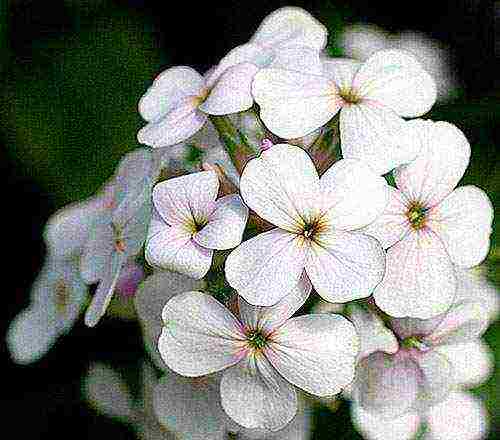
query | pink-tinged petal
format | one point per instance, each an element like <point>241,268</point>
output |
<point>435,379</point>
<point>199,336</point>
<point>373,334</point>
<point>407,327</point>
<point>373,427</point>
<point>393,224</point>
<point>472,362</point>
<point>397,80</point>
<point>281,186</point>
<point>226,224</point>
<point>269,318</point>
<point>341,70</point>
<point>386,385</point>
<point>168,88</point>
<point>293,104</point>
<point>419,281</point>
<point>185,199</point>
<point>181,122</point>
<point>461,416</point>
<point>441,163</point>
<point>376,135</point>
<point>462,323</point>
<point>232,91</point>
<point>172,248</point>
<point>290,26</point>
<point>315,352</point>
<point>344,266</point>
<point>131,276</point>
<point>264,269</point>
<point>190,407</point>
<point>105,290</point>
<point>353,195</point>
<point>463,221</point>
<point>254,395</point>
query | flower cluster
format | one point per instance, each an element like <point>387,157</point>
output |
<point>279,177</point>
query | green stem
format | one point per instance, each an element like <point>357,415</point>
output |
<point>325,151</point>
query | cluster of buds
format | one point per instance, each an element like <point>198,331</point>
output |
<point>283,181</point>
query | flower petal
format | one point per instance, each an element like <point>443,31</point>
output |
<point>269,318</point>
<point>420,279</point>
<point>200,336</point>
<point>376,135</point>
<point>171,248</point>
<point>396,79</point>
<point>232,91</point>
<point>463,221</point>
<point>386,385</point>
<point>226,224</point>
<point>344,266</point>
<point>181,122</point>
<point>341,70</point>
<point>185,199</point>
<point>472,362</point>
<point>254,395</point>
<point>353,195</point>
<point>392,225</point>
<point>267,267</point>
<point>299,58</point>
<point>168,88</point>
<point>460,417</point>
<point>281,186</point>
<point>293,104</point>
<point>441,163</point>
<point>315,352</point>
<point>290,26</point>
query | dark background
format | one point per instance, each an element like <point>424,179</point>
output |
<point>71,73</point>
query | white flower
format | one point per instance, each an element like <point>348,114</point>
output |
<point>120,231</point>
<point>360,41</point>
<point>316,221</point>
<point>434,357</point>
<point>428,225</point>
<point>191,223</point>
<point>373,97</point>
<point>261,354</point>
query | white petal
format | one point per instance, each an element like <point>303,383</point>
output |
<point>200,336</point>
<point>290,26</point>
<point>376,135</point>
<point>353,195</point>
<point>190,407</point>
<point>441,163</point>
<point>181,122</point>
<point>419,281</point>
<point>299,58</point>
<point>167,89</point>
<point>373,334</point>
<point>281,186</point>
<point>293,104</point>
<point>172,248</point>
<point>386,385</point>
<point>104,389</point>
<point>460,417</point>
<point>472,362</point>
<point>374,427</point>
<point>315,352</point>
<point>185,199</point>
<point>462,322</point>
<point>361,40</point>
<point>105,289</point>
<point>267,267</point>
<point>407,327</point>
<point>393,224</point>
<point>254,395</point>
<point>269,318</point>
<point>344,266</point>
<point>463,221</point>
<point>226,224</point>
<point>232,91</point>
<point>341,70</point>
<point>396,79</point>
